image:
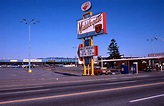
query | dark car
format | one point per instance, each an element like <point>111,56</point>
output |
<point>115,71</point>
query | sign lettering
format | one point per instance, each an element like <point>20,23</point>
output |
<point>92,26</point>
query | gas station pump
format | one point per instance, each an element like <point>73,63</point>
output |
<point>134,68</point>
<point>124,69</point>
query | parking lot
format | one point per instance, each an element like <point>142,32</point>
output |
<point>10,77</point>
<point>18,76</point>
<point>21,73</point>
<point>43,73</point>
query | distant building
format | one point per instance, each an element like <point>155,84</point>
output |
<point>49,60</point>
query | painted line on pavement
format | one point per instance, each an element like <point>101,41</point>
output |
<point>22,88</point>
<point>81,93</point>
<point>112,83</point>
<point>122,82</point>
<point>9,93</point>
<point>142,76</point>
<point>146,98</point>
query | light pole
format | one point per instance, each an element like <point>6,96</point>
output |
<point>156,38</point>
<point>159,38</point>
<point>32,21</point>
<point>76,59</point>
<point>151,40</point>
<point>101,62</point>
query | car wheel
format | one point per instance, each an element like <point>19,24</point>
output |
<point>106,73</point>
<point>100,73</point>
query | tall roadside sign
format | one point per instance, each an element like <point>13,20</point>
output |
<point>92,26</point>
<point>88,27</point>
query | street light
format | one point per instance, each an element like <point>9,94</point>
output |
<point>32,21</point>
<point>156,38</point>
<point>151,40</point>
<point>101,57</point>
<point>76,59</point>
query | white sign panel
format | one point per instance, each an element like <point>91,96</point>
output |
<point>13,60</point>
<point>87,51</point>
<point>32,60</point>
<point>92,26</point>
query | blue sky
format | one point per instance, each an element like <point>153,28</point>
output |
<point>129,22</point>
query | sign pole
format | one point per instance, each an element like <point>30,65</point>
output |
<point>84,65</point>
<point>92,60</point>
<point>88,70</point>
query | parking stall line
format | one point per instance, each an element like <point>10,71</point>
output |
<point>146,98</point>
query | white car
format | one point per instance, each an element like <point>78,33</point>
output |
<point>106,71</point>
<point>26,66</point>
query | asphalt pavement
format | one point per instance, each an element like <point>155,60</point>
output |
<point>125,91</point>
<point>15,77</point>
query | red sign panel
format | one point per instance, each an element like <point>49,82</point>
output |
<point>156,55</point>
<point>78,52</point>
<point>86,6</point>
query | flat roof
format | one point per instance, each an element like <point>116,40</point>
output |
<point>127,59</point>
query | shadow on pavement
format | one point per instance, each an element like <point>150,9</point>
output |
<point>67,74</point>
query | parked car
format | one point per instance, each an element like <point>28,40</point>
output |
<point>59,65</point>
<point>3,66</point>
<point>110,71</point>
<point>148,69</point>
<point>27,66</point>
<point>106,71</point>
<point>98,72</point>
<point>114,71</point>
<point>14,66</point>
<point>47,65</point>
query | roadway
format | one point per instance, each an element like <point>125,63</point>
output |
<point>133,91</point>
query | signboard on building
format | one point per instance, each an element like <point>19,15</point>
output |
<point>13,60</point>
<point>92,26</point>
<point>51,61</point>
<point>32,60</point>
<point>88,51</point>
<point>156,55</point>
